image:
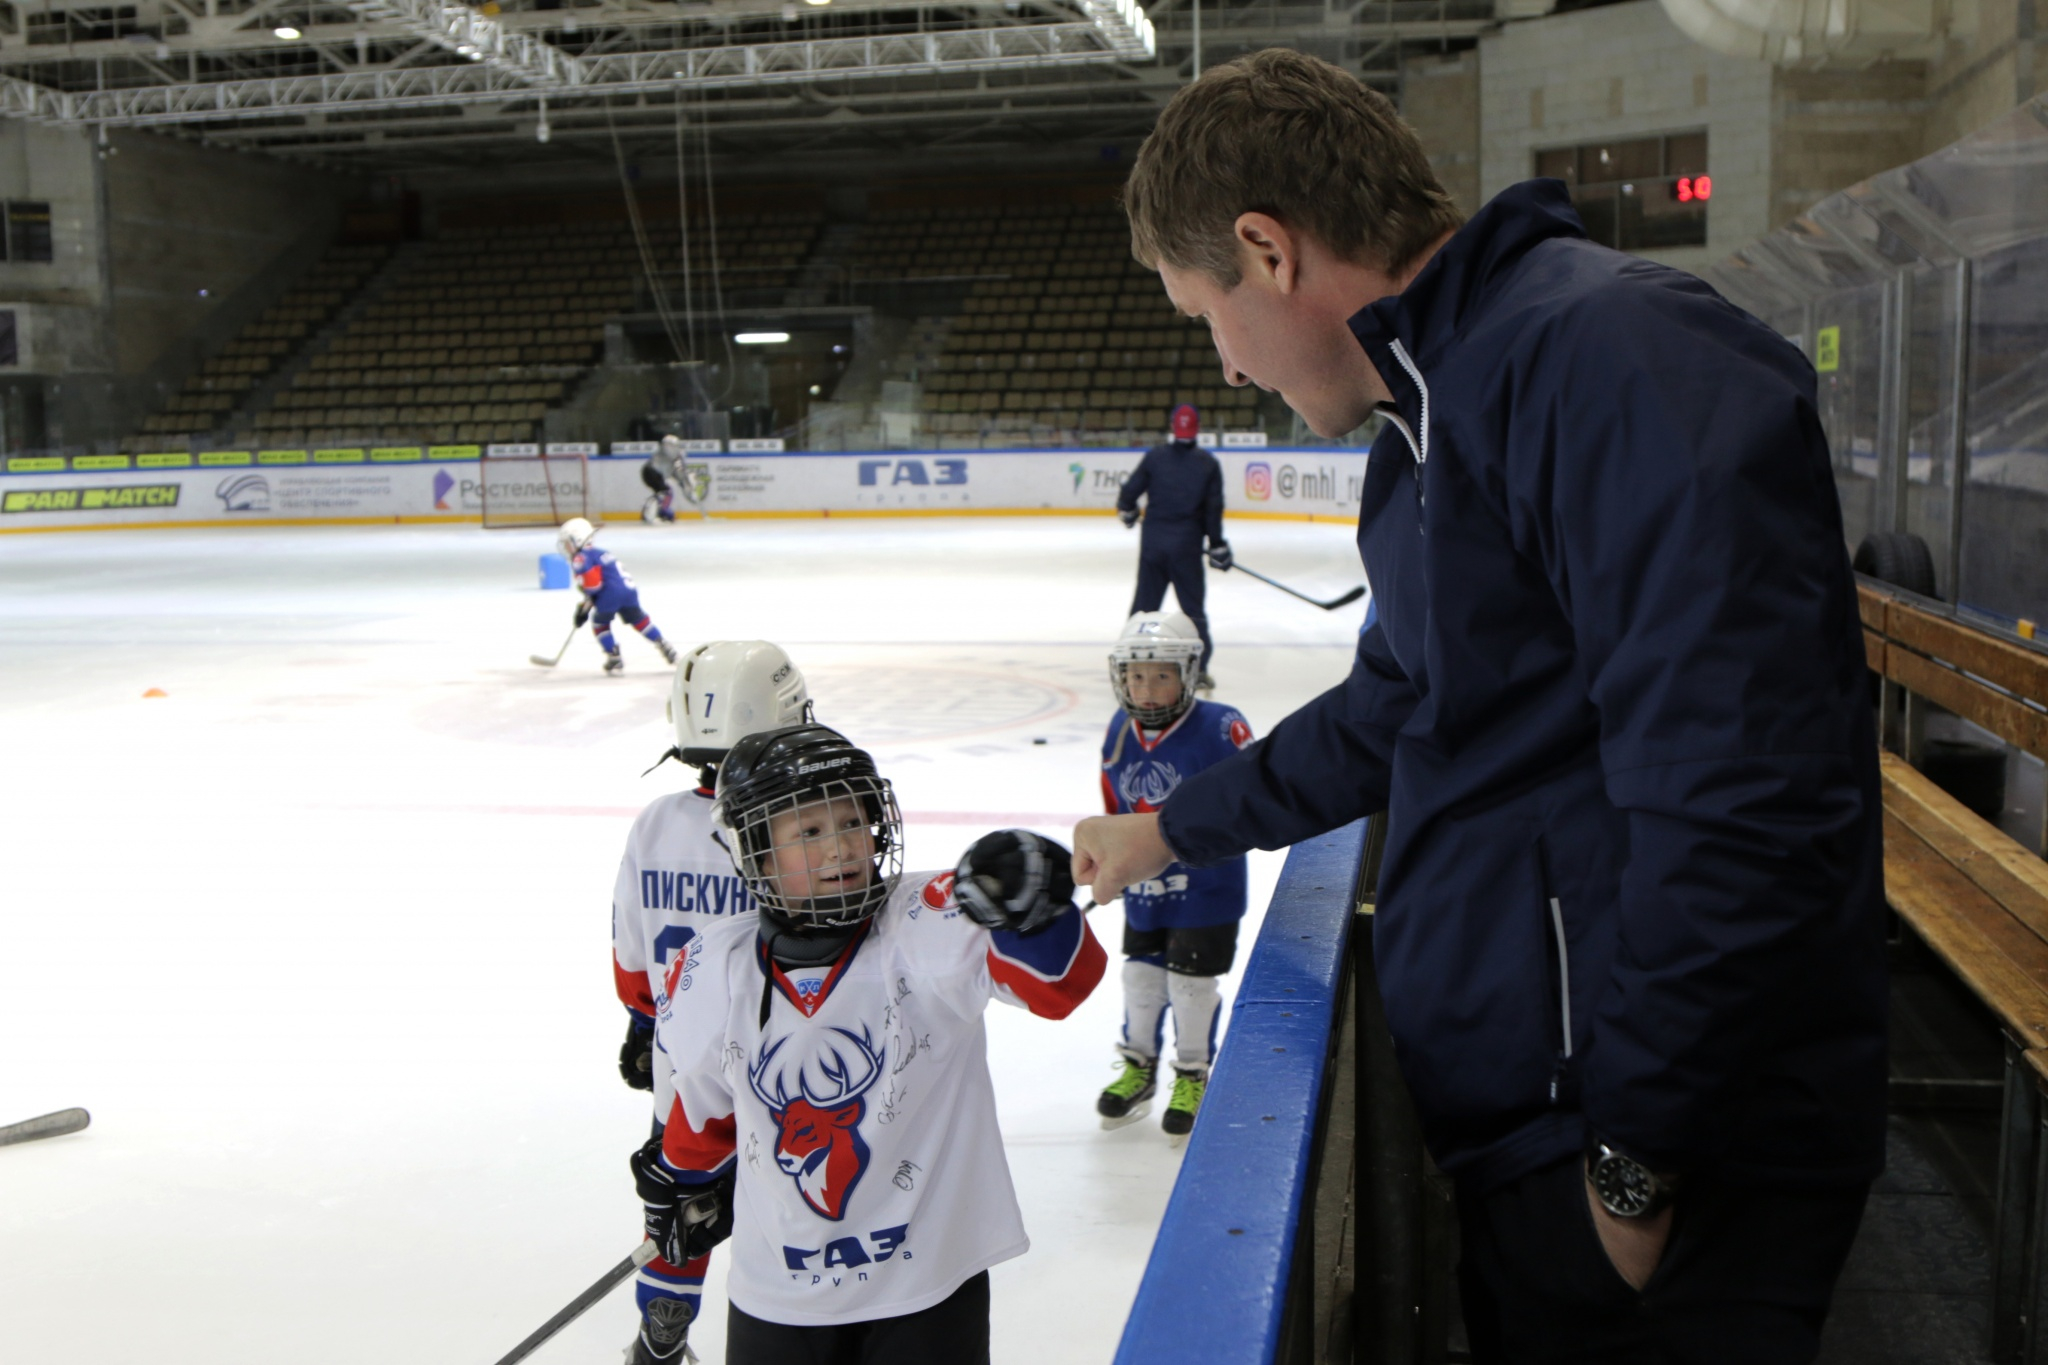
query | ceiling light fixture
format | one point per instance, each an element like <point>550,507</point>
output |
<point>760,338</point>
<point>286,32</point>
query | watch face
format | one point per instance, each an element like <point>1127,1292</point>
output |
<point>1626,1188</point>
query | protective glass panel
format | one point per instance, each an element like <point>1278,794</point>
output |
<point>1848,354</point>
<point>2005,507</point>
<point>1973,360</point>
<point>1931,412</point>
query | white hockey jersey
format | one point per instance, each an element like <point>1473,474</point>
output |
<point>674,882</point>
<point>872,1180</point>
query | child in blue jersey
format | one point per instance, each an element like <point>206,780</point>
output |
<point>1180,930</point>
<point>608,591</point>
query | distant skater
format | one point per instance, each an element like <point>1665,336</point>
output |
<point>608,591</point>
<point>666,473</point>
<point>1183,490</point>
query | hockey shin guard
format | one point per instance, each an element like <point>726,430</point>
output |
<point>670,1299</point>
<point>1197,1004</point>
<point>1145,999</point>
<point>605,641</point>
<point>645,625</point>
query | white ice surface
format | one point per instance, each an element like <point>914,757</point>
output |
<point>320,937</point>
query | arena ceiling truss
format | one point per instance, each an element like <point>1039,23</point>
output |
<point>415,84</point>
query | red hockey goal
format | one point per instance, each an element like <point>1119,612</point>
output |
<point>533,490</point>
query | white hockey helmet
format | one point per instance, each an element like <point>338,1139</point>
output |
<point>1156,637</point>
<point>729,689</point>
<point>574,534</point>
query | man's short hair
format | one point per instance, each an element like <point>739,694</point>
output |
<point>1289,135</point>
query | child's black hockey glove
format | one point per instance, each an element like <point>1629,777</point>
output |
<point>636,1054</point>
<point>582,612</point>
<point>685,1221</point>
<point>1016,880</point>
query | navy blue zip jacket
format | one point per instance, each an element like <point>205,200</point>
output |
<point>1615,706</point>
<point>1184,488</point>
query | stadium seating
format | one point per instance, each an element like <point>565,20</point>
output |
<point>1063,337</point>
<point>1060,337</point>
<point>473,340</point>
<point>209,397</point>
<point>493,325</point>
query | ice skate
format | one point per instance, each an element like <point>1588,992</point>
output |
<point>664,1335</point>
<point>1181,1106</point>
<point>614,662</point>
<point>650,511</point>
<point>1128,1098</point>
<point>638,1354</point>
<point>668,651</point>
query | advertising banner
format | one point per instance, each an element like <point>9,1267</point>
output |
<point>1293,484</point>
<point>1273,483</point>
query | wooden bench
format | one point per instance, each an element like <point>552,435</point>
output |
<point>1979,900</point>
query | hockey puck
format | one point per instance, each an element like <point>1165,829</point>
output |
<point>1039,740</point>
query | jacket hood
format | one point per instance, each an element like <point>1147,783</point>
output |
<point>1430,312</point>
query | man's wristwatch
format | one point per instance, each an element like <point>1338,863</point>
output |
<point>1626,1187</point>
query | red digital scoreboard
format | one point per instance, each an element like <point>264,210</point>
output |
<point>1688,189</point>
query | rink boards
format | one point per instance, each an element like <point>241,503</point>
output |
<point>294,487</point>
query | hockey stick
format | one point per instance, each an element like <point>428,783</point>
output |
<point>49,1125</point>
<point>579,1305</point>
<point>544,661</point>
<point>1330,605</point>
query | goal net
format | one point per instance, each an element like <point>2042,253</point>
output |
<point>533,490</point>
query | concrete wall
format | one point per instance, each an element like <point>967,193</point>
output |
<point>137,233</point>
<point>2004,64</point>
<point>1626,71</point>
<point>1440,101</point>
<point>1835,127</point>
<point>201,241</point>
<point>184,218</point>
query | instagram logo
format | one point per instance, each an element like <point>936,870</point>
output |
<point>1258,480</point>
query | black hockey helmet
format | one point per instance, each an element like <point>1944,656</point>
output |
<point>775,772</point>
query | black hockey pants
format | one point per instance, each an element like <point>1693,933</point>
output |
<point>1175,559</point>
<point>953,1331</point>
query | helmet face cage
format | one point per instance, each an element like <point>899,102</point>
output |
<point>1183,654</point>
<point>750,838</point>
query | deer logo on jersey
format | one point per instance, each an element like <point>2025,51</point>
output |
<point>1147,783</point>
<point>818,1142</point>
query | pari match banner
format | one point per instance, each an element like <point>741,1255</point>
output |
<point>1289,484</point>
<point>271,493</point>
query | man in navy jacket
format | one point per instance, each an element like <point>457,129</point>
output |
<point>1183,490</point>
<point>1614,704</point>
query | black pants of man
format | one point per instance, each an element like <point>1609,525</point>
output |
<point>1745,1279</point>
<point>1176,560</point>
<point>953,1331</point>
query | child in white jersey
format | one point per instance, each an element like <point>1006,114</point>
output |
<point>673,882</point>
<point>833,1106</point>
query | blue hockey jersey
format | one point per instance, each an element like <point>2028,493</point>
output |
<point>603,579</point>
<point>1138,773</point>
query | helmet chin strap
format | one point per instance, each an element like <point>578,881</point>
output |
<point>671,753</point>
